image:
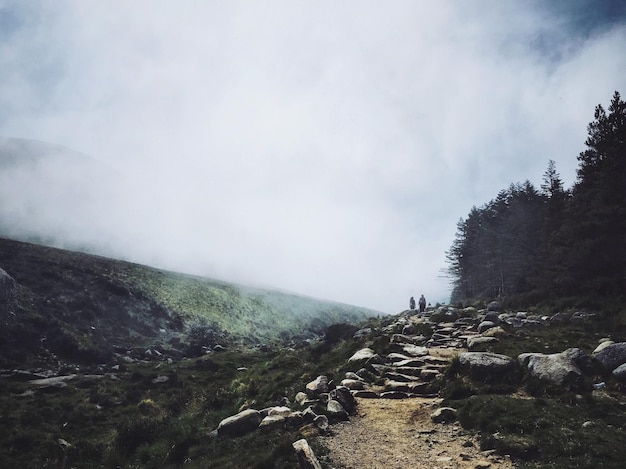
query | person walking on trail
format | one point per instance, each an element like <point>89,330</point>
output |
<point>412,303</point>
<point>422,303</point>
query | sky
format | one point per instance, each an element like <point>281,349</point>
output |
<point>321,147</point>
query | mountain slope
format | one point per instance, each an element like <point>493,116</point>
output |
<point>83,307</point>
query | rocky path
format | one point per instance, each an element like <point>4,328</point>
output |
<point>399,434</point>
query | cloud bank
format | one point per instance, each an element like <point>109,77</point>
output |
<point>325,147</point>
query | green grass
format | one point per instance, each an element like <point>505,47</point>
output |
<point>131,422</point>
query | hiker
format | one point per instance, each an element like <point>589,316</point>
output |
<point>412,303</point>
<point>422,303</point>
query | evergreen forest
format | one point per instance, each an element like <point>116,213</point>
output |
<point>532,245</point>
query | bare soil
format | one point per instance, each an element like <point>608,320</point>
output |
<point>399,434</point>
<point>388,434</point>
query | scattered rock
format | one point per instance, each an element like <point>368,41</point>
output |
<point>306,457</point>
<point>240,424</point>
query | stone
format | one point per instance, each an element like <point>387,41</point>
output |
<point>160,379</point>
<point>619,373</point>
<point>278,410</point>
<point>494,306</point>
<point>362,355</point>
<point>415,350</point>
<point>557,368</point>
<point>344,396</point>
<point>318,386</point>
<point>321,422</point>
<point>480,343</point>
<point>240,424</point>
<point>336,410</point>
<point>306,457</point>
<point>353,384</point>
<point>272,420</point>
<point>602,345</point>
<point>362,333</point>
<point>483,326</point>
<point>401,339</point>
<point>301,398</point>
<point>489,366</point>
<point>444,415</point>
<point>496,331</point>
<point>611,356</point>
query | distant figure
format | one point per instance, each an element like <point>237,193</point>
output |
<point>422,303</point>
<point>412,303</point>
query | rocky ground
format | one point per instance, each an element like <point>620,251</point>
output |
<point>400,434</point>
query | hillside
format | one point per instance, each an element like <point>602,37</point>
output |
<point>83,307</point>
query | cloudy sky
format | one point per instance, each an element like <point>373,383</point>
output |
<point>322,147</point>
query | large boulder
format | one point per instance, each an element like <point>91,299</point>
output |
<point>241,423</point>
<point>487,366</point>
<point>561,369</point>
<point>611,356</point>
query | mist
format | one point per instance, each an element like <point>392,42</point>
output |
<point>323,148</point>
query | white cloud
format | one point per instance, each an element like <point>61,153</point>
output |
<point>323,147</point>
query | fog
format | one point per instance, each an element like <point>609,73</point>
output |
<point>326,148</point>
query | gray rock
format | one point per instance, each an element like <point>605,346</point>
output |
<point>602,345</point>
<point>306,457</point>
<point>272,420</point>
<point>240,424</point>
<point>488,366</point>
<point>557,368</point>
<point>362,355</point>
<point>318,386</point>
<point>402,339</point>
<point>444,415</point>
<point>301,398</point>
<point>321,422</point>
<point>365,394</point>
<point>619,373</point>
<point>353,384</point>
<point>611,356</point>
<point>494,306</point>
<point>362,332</point>
<point>344,396</point>
<point>479,343</point>
<point>415,350</point>
<point>483,326</point>
<point>336,410</point>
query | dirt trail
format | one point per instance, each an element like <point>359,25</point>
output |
<point>399,434</point>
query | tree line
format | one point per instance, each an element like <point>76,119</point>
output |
<point>552,241</point>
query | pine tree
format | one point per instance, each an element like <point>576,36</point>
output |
<point>596,224</point>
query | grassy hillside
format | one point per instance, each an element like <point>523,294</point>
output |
<point>83,306</point>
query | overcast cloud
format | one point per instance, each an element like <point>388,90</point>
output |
<point>323,147</point>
